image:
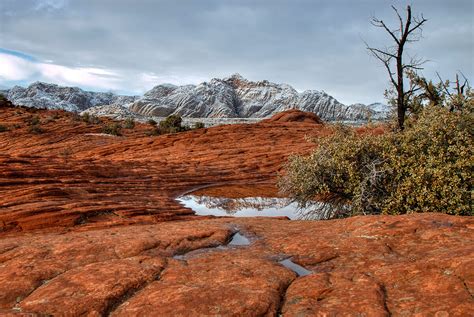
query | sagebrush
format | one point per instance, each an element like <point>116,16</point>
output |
<point>428,167</point>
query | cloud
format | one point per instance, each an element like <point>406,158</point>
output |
<point>16,68</point>
<point>305,43</point>
<point>50,5</point>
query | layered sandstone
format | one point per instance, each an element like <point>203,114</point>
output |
<point>90,226</point>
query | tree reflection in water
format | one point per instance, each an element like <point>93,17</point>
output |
<point>256,206</point>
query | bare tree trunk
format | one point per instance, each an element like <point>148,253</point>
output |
<point>401,35</point>
<point>401,107</point>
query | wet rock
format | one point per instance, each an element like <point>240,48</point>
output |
<point>90,225</point>
<point>94,288</point>
<point>220,283</point>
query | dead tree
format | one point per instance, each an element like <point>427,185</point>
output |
<point>459,97</point>
<point>403,34</point>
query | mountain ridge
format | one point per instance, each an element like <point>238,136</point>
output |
<point>229,97</point>
<point>53,96</point>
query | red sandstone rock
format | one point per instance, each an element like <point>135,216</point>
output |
<point>294,115</point>
<point>89,227</point>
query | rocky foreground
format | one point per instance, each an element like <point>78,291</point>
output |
<point>90,226</point>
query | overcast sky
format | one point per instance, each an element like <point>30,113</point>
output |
<point>129,46</point>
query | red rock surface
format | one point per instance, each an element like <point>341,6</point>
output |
<point>294,115</point>
<point>90,227</point>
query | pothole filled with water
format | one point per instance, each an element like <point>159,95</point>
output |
<point>298,269</point>
<point>252,207</point>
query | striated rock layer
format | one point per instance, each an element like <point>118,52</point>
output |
<point>90,227</point>
<point>51,96</point>
<point>232,97</point>
<point>236,97</point>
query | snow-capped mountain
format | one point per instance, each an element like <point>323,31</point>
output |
<point>231,97</point>
<point>51,96</point>
<point>374,111</point>
<point>236,97</point>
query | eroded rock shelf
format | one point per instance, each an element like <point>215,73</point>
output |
<point>90,226</point>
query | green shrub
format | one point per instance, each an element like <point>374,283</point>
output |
<point>3,128</point>
<point>34,120</point>
<point>198,125</point>
<point>86,117</point>
<point>129,123</point>
<point>171,124</point>
<point>34,123</point>
<point>49,119</point>
<point>35,129</point>
<point>90,119</point>
<point>113,129</point>
<point>428,167</point>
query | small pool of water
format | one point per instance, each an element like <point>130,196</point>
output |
<point>298,269</point>
<point>239,240</point>
<point>249,207</point>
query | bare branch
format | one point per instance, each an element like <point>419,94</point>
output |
<point>466,81</point>
<point>443,84</point>
<point>418,24</point>
<point>382,52</point>
<point>415,63</point>
<point>399,18</point>
<point>385,58</point>
<point>411,91</point>
<point>381,24</point>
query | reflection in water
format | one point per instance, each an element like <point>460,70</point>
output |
<point>239,239</point>
<point>298,269</point>
<point>254,207</point>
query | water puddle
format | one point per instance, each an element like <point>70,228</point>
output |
<point>236,241</point>
<point>298,269</point>
<point>239,240</point>
<point>250,207</point>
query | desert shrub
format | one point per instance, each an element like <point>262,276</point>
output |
<point>35,129</point>
<point>50,119</point>
<point>34,123</point>
<point>113,128</point>
<point>90,119</point>
<point>171,124</point>
<point>198,125</point>
<point>86,117</point>
<point>3,128</point>
<point>428,167</point>
<point>152,122</point>
<point>129,123</point>
<point>33,120</point>
<point>95,120</point>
